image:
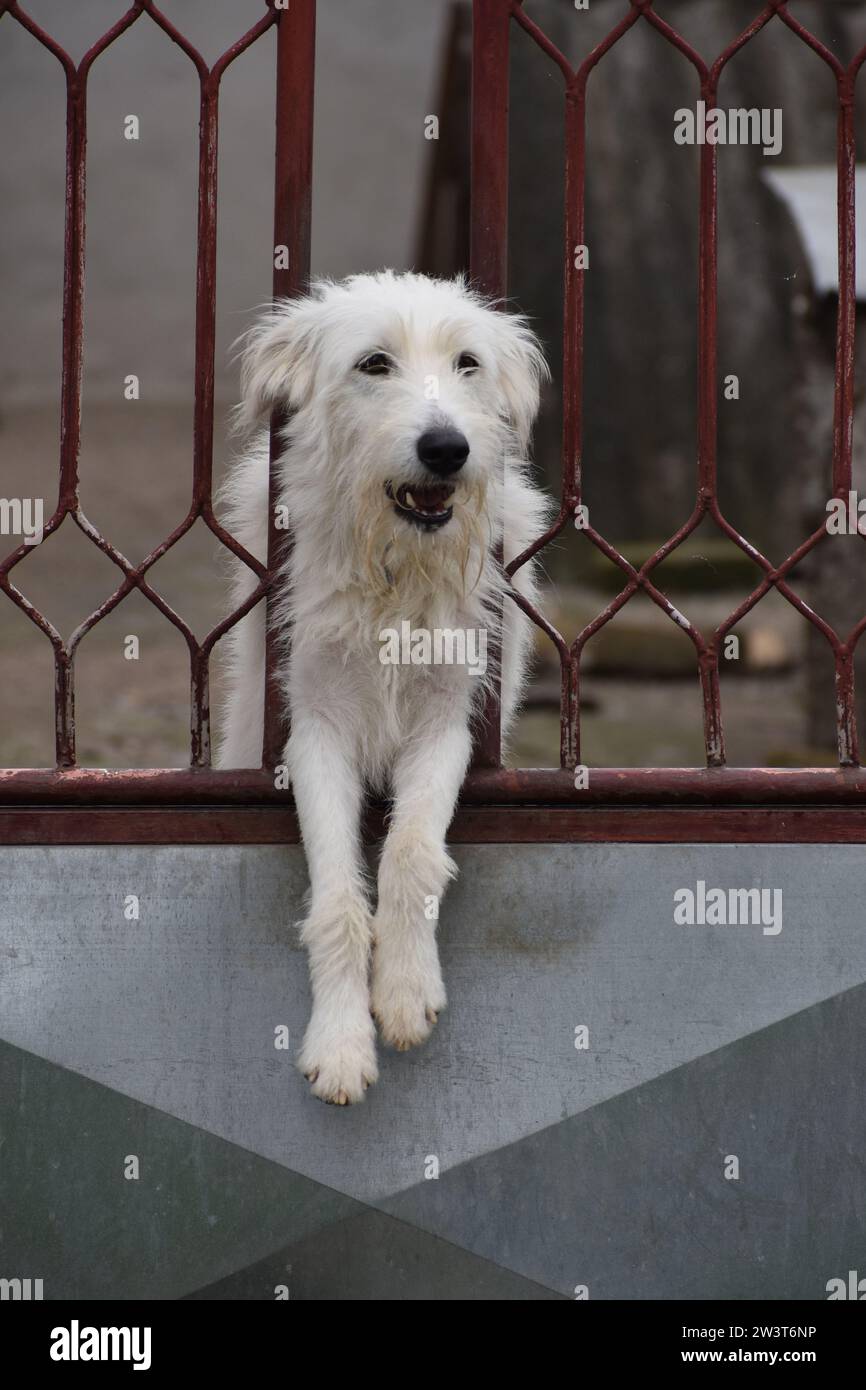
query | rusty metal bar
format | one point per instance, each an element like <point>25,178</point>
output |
<point>72,336</point>
<point>843,422</point>
<point>572,377</point>
<point>573,345</point>
<point>293,188</point>
<point>708,251</point>
<point>70,391</point>
<point>682,786</point>
<point>205,336</point>
<point>488,245</point>
<point>843,405</point>
<point>488,238</point>
<point>272,825</point>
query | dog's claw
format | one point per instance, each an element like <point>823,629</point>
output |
<point>339,1067</point>
<point>403,1032</point>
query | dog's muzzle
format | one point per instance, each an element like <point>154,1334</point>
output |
<point>425,505</point>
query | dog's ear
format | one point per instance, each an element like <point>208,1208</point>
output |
<point>521,370</point>
<point>278,360</point>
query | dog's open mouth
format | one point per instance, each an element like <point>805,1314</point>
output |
<point>423,505</point>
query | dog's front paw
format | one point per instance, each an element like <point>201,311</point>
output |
<point>406,997</point>
<point>339,1061</point>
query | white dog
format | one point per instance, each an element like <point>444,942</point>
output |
<point>411,402</point>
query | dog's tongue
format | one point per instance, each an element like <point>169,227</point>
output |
<point>432,498</point>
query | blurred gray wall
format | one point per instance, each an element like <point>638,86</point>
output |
<point>376,70</point>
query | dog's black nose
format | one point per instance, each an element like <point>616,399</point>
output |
<point>443,450</point>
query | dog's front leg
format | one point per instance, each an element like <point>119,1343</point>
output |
<point>339,1050</point>
<point>407,992</point>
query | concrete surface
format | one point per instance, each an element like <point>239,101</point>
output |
<point>703,1042</point>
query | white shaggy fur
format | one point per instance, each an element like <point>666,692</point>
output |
<point>358,567</point>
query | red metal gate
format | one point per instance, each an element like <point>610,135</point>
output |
<point>70,804</point>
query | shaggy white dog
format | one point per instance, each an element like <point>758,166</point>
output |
<point>411,402</point>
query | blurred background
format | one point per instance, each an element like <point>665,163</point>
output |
<point>385,195</point>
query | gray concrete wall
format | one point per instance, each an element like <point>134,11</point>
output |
<point>601,1166</point>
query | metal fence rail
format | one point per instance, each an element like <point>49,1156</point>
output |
<point>490,788</point>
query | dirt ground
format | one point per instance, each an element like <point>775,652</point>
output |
<point>136,469</point>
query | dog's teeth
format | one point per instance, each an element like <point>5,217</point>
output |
<point>409,498</point>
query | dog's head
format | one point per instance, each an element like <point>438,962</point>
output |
<point>406,393</point>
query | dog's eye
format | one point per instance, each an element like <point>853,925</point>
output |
<point>467,363</point>
<point>376,364</point>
